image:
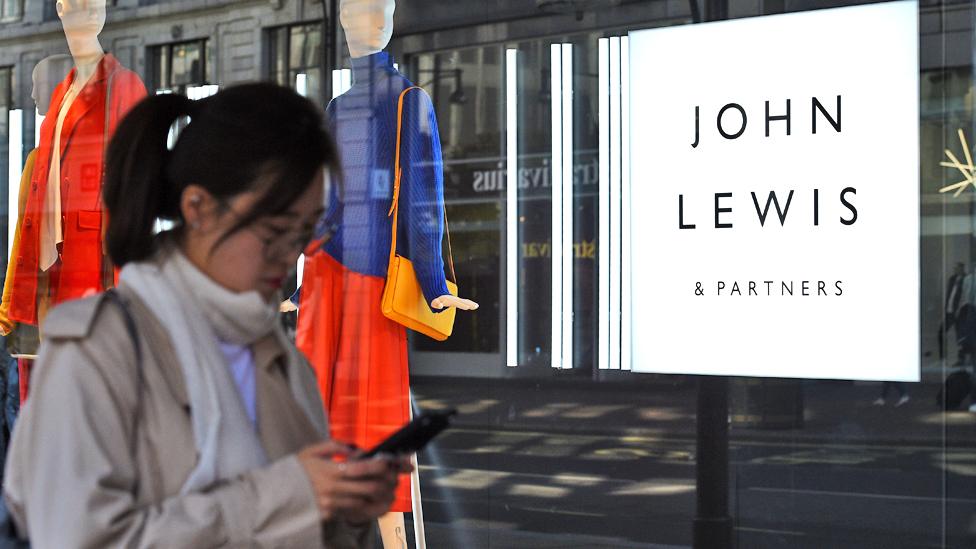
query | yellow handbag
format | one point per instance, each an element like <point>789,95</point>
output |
<point>403,300</point>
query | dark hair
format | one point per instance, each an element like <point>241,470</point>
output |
<point>243,137</point>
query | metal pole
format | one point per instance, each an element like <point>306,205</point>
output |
<point>713,525</point>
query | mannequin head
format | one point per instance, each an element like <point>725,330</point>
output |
<point>46,76</point>
<point>81,19</point>
<point>368,25</point>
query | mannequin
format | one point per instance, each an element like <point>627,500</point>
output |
<point>22,339</point>
<point>359,355</point>
<point>44,78</point>
<point>61,255</point>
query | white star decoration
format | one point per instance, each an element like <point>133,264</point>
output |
<point>968,170</point>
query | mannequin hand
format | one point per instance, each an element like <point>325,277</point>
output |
<point>446,301</point>
<point>287,306</point>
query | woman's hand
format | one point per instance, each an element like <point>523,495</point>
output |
<point>287,306</point>
<point>356,490</point>
<point>446,301</point>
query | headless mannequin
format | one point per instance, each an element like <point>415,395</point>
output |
<point>45,77</point>
<point>368,27</point>
<point>22,339</point>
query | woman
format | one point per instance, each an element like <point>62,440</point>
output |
<point>211,432</point>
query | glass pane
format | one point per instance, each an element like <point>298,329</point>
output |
<point>10,9</point>
<point>6,86</point>
<point>161,67</point>
<point>313,82</point>
<point>187,64</point>
<point>465,89</point>
<point>306,47</point>
<point>534,80</point>
<point>50,11</point>
<point>278,51</point>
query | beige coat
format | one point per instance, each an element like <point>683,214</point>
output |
<point>72,479</point>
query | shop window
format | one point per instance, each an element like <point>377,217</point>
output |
<point>6,87</point>
<point>295,56</point>
<point>7,149</point>
<point>175,67</point>
<point>50,11</point>
<point>466,89</point>
<point>11,10</point>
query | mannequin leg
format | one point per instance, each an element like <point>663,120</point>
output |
<point>420,537</point>
<point>393,531</point>
<point>392,525</point>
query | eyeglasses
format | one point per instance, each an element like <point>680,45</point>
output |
<point>278,241</point>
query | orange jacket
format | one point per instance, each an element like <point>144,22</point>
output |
<point>110,93</point>
<point>6,326</point>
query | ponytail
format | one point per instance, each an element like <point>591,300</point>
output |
<point>137,189</point>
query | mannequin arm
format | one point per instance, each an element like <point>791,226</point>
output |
<point>445,301</point>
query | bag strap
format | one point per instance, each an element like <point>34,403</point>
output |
<point>113,296</point>
<point>395,206</point>
<point>130,324</point>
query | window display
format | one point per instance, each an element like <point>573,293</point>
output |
<point>524,135</point>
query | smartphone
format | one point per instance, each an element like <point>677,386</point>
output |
<point>414,435</point>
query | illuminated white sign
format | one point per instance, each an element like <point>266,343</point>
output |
<point>775,196</point>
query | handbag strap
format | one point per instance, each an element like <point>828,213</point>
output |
<point>116,298</point>
<point>395,206</point>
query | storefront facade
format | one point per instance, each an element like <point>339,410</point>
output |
<point>560,443</point>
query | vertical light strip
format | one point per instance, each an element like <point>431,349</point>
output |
<point>615,204</point>
<point>603,242</point>
<point>15,163</point>
<point>341,81</point>
<point>556,185</point>
<point>301,87</point>
<point>569,254</point>
<point>336,83</point>
<point>627,207</point>
<point>38,120</point>
<point>511,204</point>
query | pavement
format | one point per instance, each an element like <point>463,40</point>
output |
<point>814,411</point>
<point>567,462</point>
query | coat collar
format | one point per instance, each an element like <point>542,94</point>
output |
<point>91,95</point>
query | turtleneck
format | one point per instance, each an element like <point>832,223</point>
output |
<point>365,68</point>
